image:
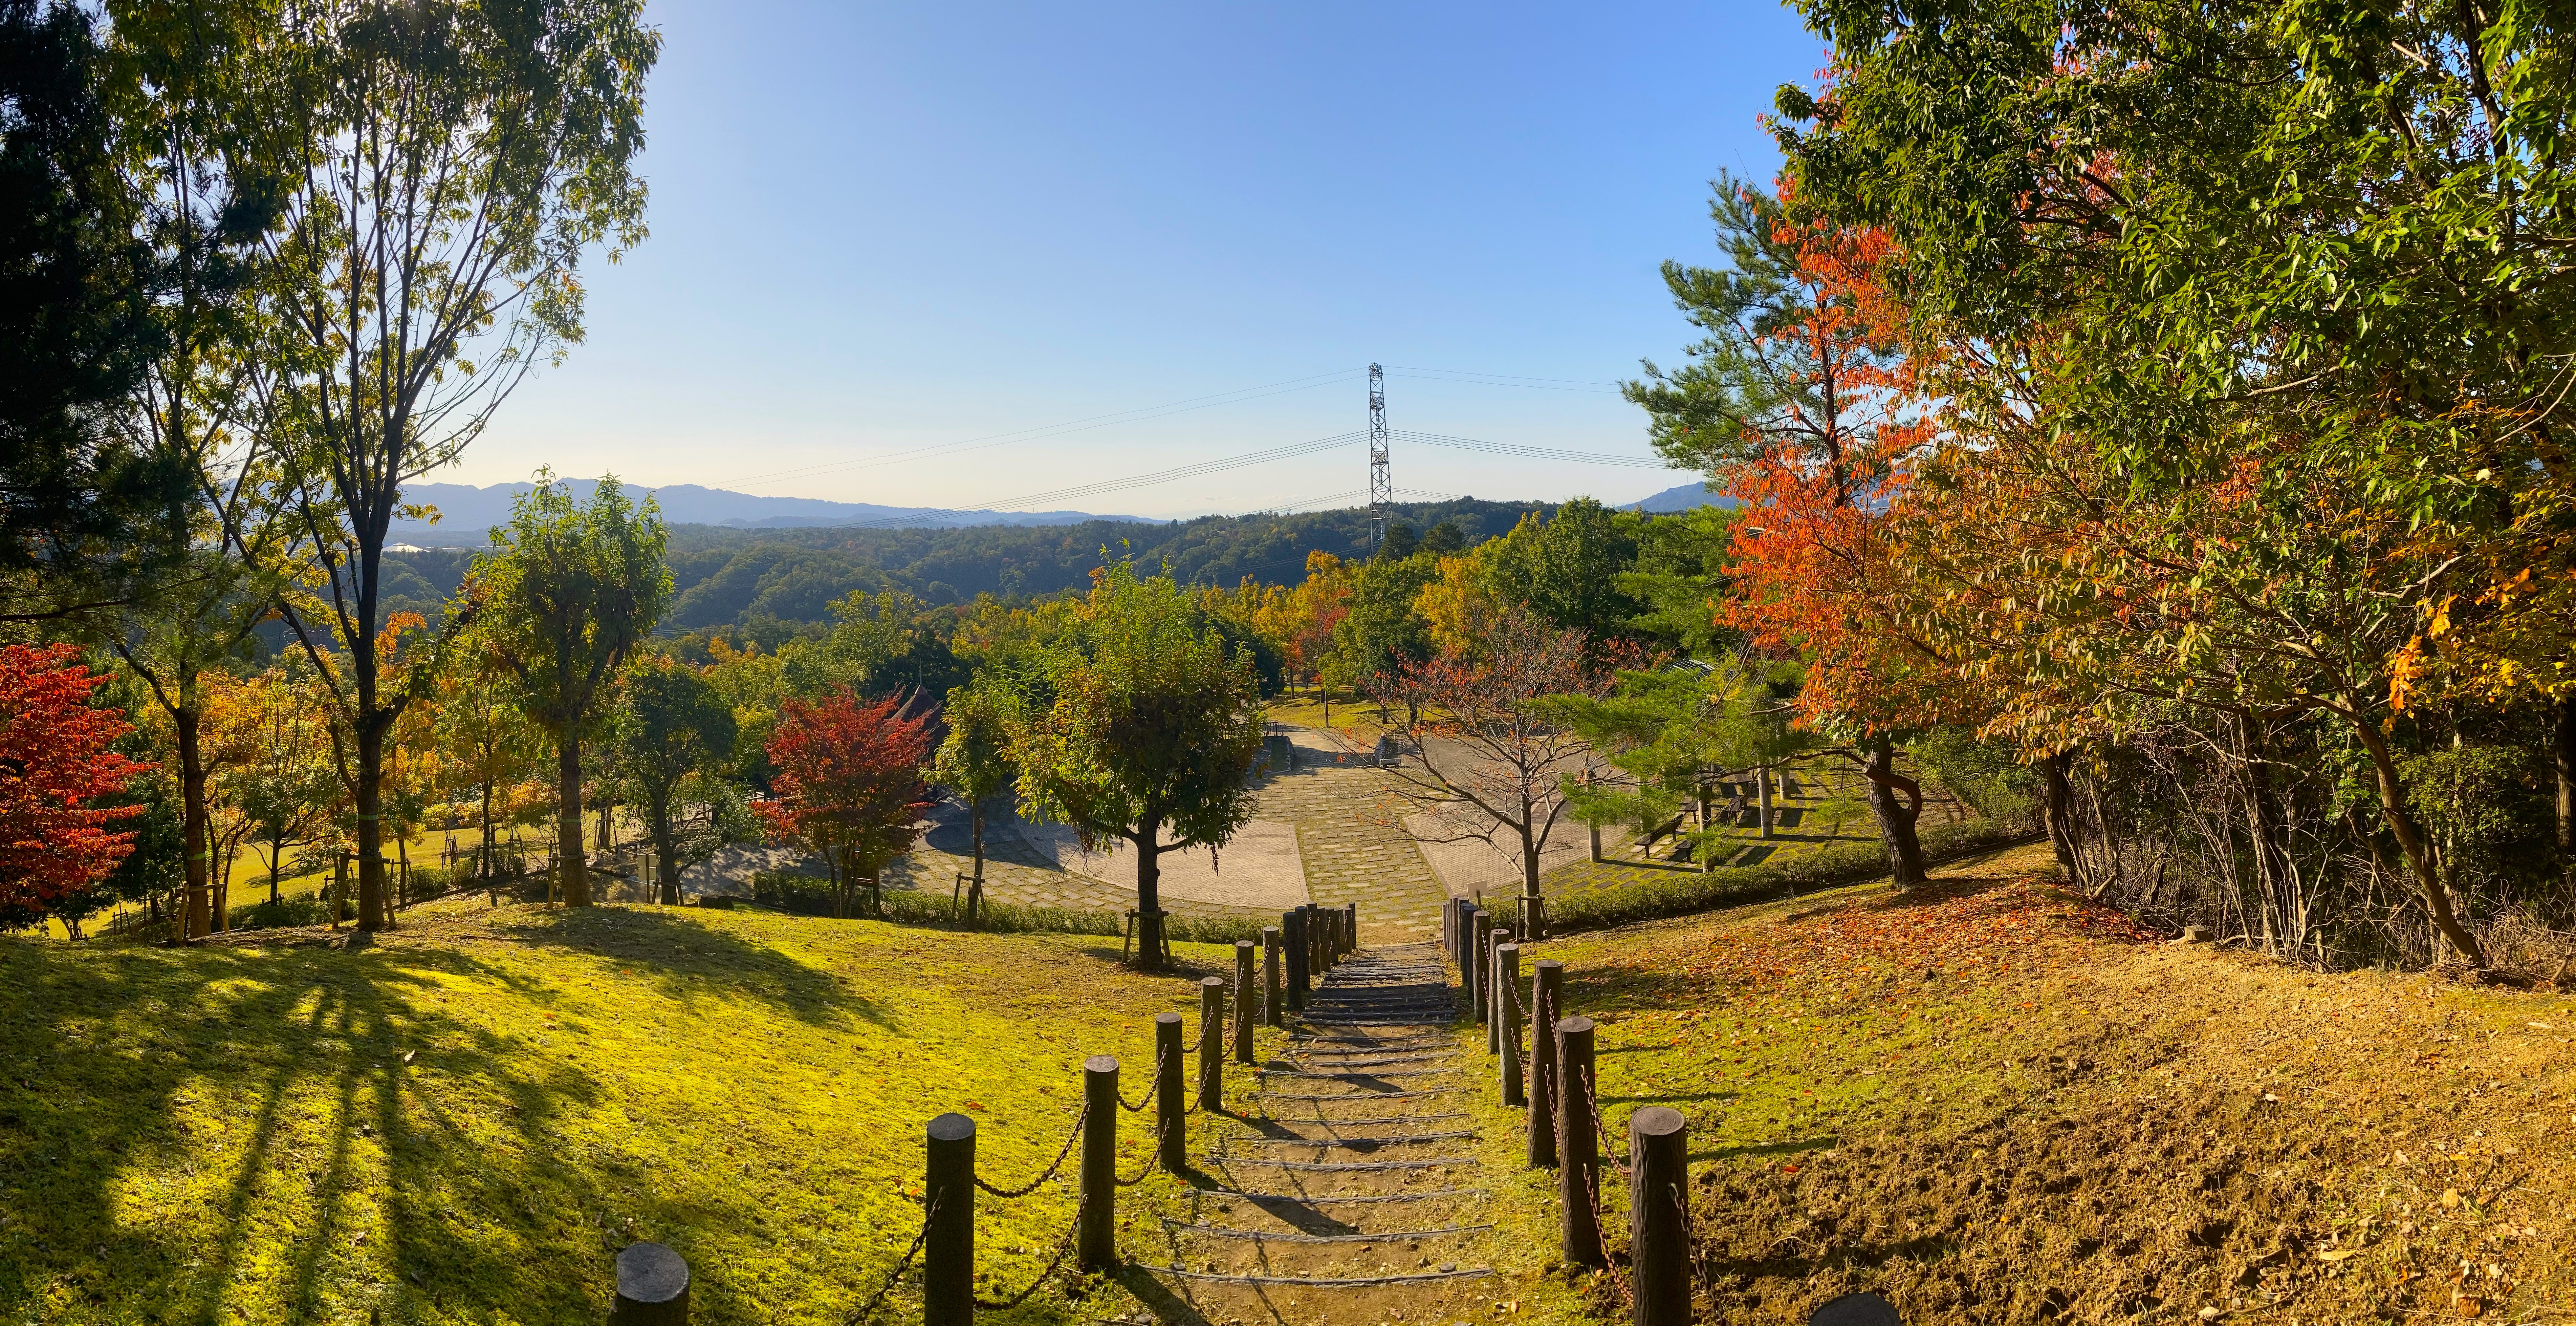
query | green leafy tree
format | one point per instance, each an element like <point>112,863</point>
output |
<point>1567,570</point>
<point>672,737</point>
<point>1150,737</point>
<point>457,161</point>
<point>974,761</point>
<point>1383,634</point>
<point>563,602</point>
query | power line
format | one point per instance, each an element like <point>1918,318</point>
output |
<point>1192,471</point>
<point>1530,453</point>
<point>1141,414</point>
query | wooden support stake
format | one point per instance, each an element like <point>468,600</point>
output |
<point>1659,1215</point>
<point>1578,1153</point>
<point>1496,993</point>
<point>948,1244</point>
<point>1507,983</point>
<point>1243,1001</point>
<point>1547,984</point>
<point>1480,942</point>
<point>652,1287</point>
<point>1212,1044</point>
<point>1096,1237</point>
<point>1171,1108</point>
<point>1294,924</point>
<point>1350,927</point>
<point>1270,1010</point>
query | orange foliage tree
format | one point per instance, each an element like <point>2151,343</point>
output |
<point>54,762</point>
<point>1802,405</point>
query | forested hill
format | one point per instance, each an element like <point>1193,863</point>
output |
<point>770,578</point>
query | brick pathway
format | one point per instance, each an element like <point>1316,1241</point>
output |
<point>1357,851</point>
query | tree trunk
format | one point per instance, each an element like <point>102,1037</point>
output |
<point>2284,920</point>
<point>192,810</point>
<point>2059,809</point>
<point>2410,841</point>
<point>1149,898</point>
<point>483,853</point>
<point>568,845</point>
<point>666,845</point>
<point>2562,756</point>
<point>371,799</point>
<point>975,815</point>
<point>1762,782</point>
<point>1896,819</point>
<point>276,849</point>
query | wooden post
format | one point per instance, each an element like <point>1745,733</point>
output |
<point>1479,940</point>
<point>1449,929</point>
<point>1096,1233</point>
<point>1270,1011</point>
<point>1294,924</point>
<point>1171,1111</point>
<point>1212,1044</point>
<point>1547,976</point>
<point>1243,1001</point>
<point>1577,1150</point>
<point>1494,991</point>
<point>652,1287</point>
<point>948,1240</point>
<point>1507,980</point>
<point>1350,927</point>
<point>1659,1215</point>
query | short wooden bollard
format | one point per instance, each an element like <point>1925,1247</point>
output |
<point>1243,1001</point>
<point>1547,976</point>
<point>1507,984</point>
<point>1270,1010</point>
<point>948,1237</point>
<point>1096,1233</point>
<point>1212,1044</point>
<point>1292,925</point>
<point>1659,1215</point>
<point>652,1287</point>
<point>1495,991</point>
<point>1449,930</point>
<point>1350,927</point>
<point>1577,1149</point>
<point>1171,1108</point>
<point>1480,940</point>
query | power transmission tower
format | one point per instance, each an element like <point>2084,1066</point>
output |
<point>1381,488</point>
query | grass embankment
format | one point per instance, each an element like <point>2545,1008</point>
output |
<point>464,1121</point>
<point>1995,1103</point>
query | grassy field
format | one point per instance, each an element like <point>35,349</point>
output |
<point>462,1122</point>
<point>1995,1103</point>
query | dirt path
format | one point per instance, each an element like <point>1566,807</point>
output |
<point>1353,1193</point>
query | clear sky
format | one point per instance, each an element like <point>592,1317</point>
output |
<point>879,228</point>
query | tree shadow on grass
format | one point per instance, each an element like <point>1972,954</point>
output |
<point>284,1135</point>
<point>690,961</point>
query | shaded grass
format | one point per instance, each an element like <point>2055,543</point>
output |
<point>463,1121</point>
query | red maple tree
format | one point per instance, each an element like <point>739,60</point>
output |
<point>55,761</point>
<point>849,783</point>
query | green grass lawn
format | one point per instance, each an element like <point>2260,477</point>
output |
<point>464,1121</point>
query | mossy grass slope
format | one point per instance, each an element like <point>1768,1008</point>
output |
<point>463,1121</point>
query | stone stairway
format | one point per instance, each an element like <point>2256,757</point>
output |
<point>1351,1194</point>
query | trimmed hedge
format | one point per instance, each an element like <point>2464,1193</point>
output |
<point>807,895</point>
<point>1679,893</point>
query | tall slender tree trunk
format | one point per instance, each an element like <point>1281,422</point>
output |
<point>1762,783</point>
<point>370,796</point>
<point>2284,919</point>
<point>483,852</point>
<point>666,844</point>
<point>2058,808</point>
<point>1896,819</point>
<point>1149,897</point>
<point>568,845</point>
<point>2410,840</point>
<point>975,816</point>
<point>2562,758</point>
<point>276,850</point>
<point>192,813</point>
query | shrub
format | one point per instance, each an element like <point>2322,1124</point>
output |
<point>1679,894</point>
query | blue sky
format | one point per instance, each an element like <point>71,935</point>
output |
<point>882,228</point>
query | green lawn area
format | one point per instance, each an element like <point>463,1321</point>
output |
<point>464,1121</point>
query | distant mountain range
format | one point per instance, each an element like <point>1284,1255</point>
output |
<point>1682,498</point>
<point>467,513</point>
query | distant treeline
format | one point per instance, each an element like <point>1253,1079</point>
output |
<point>771,584</point>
